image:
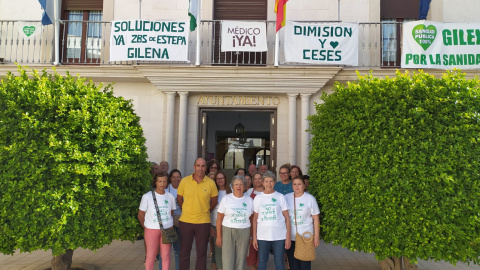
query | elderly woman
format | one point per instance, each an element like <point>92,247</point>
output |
<point>147,215</point>
<point>306,219</point>
<point>271,224</point>
<point>233,235</point>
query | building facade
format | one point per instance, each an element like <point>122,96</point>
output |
<point>237,107</point>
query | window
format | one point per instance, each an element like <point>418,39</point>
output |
<point>83,37</point>
<point>82,31</point>
<point>393,14</point>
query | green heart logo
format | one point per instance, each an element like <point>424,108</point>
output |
<point>424,35</point>
<point>29,30</point>
<point>334,44</point>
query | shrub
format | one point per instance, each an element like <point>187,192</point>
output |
<point>395,163</point>
<point>72,164</point>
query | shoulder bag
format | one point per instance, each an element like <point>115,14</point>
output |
<point>168,235</point>
<point>304,247</point>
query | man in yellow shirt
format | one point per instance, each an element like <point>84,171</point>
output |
<point>197,195</point>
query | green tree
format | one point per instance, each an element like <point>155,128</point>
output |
<point>72,164</point>
<point>396,167</point>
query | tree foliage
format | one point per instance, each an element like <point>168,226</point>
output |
<point>72,164</point>
<point>396,166</point>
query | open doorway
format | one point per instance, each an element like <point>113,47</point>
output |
<point>238,138</point>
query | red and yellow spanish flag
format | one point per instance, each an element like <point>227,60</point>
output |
<point>280,9</point>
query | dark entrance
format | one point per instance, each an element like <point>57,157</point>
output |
<point>238,138</point>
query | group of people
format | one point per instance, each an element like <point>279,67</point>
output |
<point>244,219</point>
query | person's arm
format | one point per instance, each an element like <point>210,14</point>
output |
<point>141,218</point>
<point>287,223</point>
<point>316,226</point>
<point>180,200</point>
<point>213,202</point>
<point>220,217</point>
<point>254,226</point>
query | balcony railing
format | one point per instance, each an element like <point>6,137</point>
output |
<point>83,42</point>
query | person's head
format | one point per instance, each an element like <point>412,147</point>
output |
<point>153,168</point>
<point>175,178</point>
<point>239,183</point>
<point>306,179</point>
<point>163,166</point>
<point>220,179</point>
<point>298,184</point>
<point>295,171</point>
<point>200,167</point>
<point>213,166</point>
<point>240,171</point>
<point>257,180</point>
<point>160,180</point>
<point>268,180</point>
<point>263,168</point>
<point>252,169</point>
<point>284,172</point>
<point>248,178</point>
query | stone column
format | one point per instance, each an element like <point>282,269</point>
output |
<point>170,127</point>
<point>182,131</point>
<point>305,137</point>
<point>292,128</point>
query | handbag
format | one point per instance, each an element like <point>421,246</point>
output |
<point>304,247</point>
<point>169,235</point>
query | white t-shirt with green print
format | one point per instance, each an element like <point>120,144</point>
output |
<point>166,203</point>
<point>237,211</point>
<point>271,222</point>
<point>306,207</point>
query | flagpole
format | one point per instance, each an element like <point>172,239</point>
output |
<point>197,56</point>
<point>277,44</point>
<point>57,32</point>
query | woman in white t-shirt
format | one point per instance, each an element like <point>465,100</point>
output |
<point>307,220</point>
<point>271,224</point>
<point>220,179</point>
<point>233,235</point>
<point>147,215</point>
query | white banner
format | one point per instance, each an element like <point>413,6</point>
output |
<point>240,36</point>
<point>429,44</point>
<point>149,40</point>
<point>29,30</point>
<point>321,43</point>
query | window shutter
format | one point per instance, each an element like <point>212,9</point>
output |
<point>399,9</point>
<point>82,5</point>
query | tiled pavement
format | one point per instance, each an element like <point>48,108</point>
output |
<point>129,256</point>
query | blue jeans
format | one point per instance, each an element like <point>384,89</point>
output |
<point>278,247</point>
<point>176,251</point>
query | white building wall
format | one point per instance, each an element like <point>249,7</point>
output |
<point>462,11</point>
<point>149,104</point>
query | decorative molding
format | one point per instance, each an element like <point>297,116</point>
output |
<point>259,80</point>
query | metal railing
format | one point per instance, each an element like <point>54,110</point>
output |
<point>83,42</point>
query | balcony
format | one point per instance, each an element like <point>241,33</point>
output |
<point>88,43</point>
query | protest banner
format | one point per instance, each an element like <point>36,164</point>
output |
<point>149,40</point>
<point>241,36</point>
<point>428,44</point>
<point>321,43</point>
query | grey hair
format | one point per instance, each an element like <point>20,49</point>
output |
<point>269,174</point>
<point>239,177</point>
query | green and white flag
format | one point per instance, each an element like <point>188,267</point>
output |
<point>193,13</point>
